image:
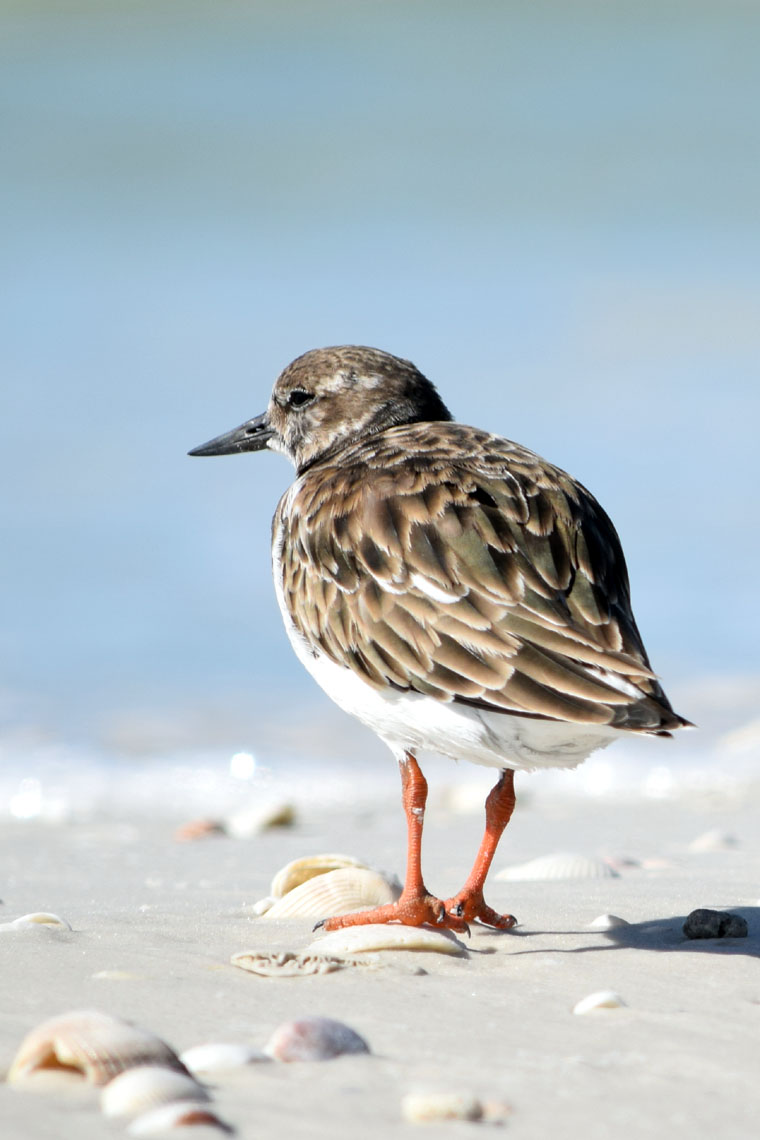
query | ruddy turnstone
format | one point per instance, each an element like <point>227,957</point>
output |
<point>449,588</point>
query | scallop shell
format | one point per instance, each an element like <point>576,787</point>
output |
<point>599,1002</point>
<point>184,1114</point>
<point>308,867</point>
<point>558,866</point>
<point>217,1055</point>
<point>386,936</point>
<point>147,1086</point>
<point>286,964</point>
<point>37,918</point>
<point>335,892</point>
<point>92,1043</point>
<point>424,1108</point>
<point>607,922</point>
<point>314,1039</point>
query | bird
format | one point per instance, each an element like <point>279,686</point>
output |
<point>449,588</point>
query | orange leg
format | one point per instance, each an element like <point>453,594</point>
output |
<point>469,903</point>
<point>416,905</point>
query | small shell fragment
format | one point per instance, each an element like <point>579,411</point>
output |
<point>607,922</point>
<point>314,1039</point>
<point>183,1114</point>
<point>137,1090</point>
<point>307,867</point>
<point>386,936</point>
<point>556,867</point>
<point>426,1108</point>
<point>335,892</point>
<point>219,1055</point>
<point>37,918</point>
<point>286,964</point>
<point>598,1002</point>
<point>91,1043</point>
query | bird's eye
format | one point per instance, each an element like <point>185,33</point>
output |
<point>298,398</point>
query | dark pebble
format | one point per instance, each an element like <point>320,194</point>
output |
<point>705,923</point>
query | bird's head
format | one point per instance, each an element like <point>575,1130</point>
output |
<point>329,398</point>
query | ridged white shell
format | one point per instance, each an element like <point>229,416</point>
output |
<point>147,1086</point>
<point>607,922</point>
<point>558,866</point>
<point>37,918</point>
<point>216,1055</point>
<point>599,1002</point>
<point>286,964</point>
<point>183,1114</point>
<point>424,1108</point>
<point>335,892</point>
<point>92,1043</point>
<point>386,936</point>
<point>314,1039</point>
<point>307,867</point>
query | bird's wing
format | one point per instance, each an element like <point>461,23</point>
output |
<point>501,584</point>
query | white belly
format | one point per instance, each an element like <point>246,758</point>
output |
<point>411,721</point>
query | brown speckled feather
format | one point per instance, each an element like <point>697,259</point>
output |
<point>440,559</point>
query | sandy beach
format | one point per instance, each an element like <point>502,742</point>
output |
<point>155,922</point>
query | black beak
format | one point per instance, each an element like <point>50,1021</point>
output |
<point>253,435</point>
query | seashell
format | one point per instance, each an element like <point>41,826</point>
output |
<point>92,1043</point>
<point>262,906</point>
<point>261,817</point>
<point>335,892</point>
<point>286,964</point>
<point>198,829</point>
<point>599,1002</point>
<point>183,1114</point>
<point>37,918</point>
<point>137,1090</point>
<point>715,840</point>
<point>424,1108</point>
<point>386,936</point>
<point>314,1039</point>
<point>558,866</point>
<point>220,1055</point>
<point>607,922</point>
<point>308,867</point>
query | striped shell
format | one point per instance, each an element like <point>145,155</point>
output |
<point>92,1043</point>
<point>299,871</point>
<point>386,936</point>
<point>148,1086</point>
<point>558,866</point>
<point>335,892</point>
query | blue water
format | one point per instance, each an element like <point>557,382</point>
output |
<point>551,208</point>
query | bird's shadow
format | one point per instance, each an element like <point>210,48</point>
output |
<point>662,934</point>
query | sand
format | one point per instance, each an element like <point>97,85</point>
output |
<point>155,922</point>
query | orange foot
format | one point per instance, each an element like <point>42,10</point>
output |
<point>471,906</point>
<point>414,910</point>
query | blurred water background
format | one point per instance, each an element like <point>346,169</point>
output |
<point>551,208</point>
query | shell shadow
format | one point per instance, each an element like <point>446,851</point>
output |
<point>658,934</point>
